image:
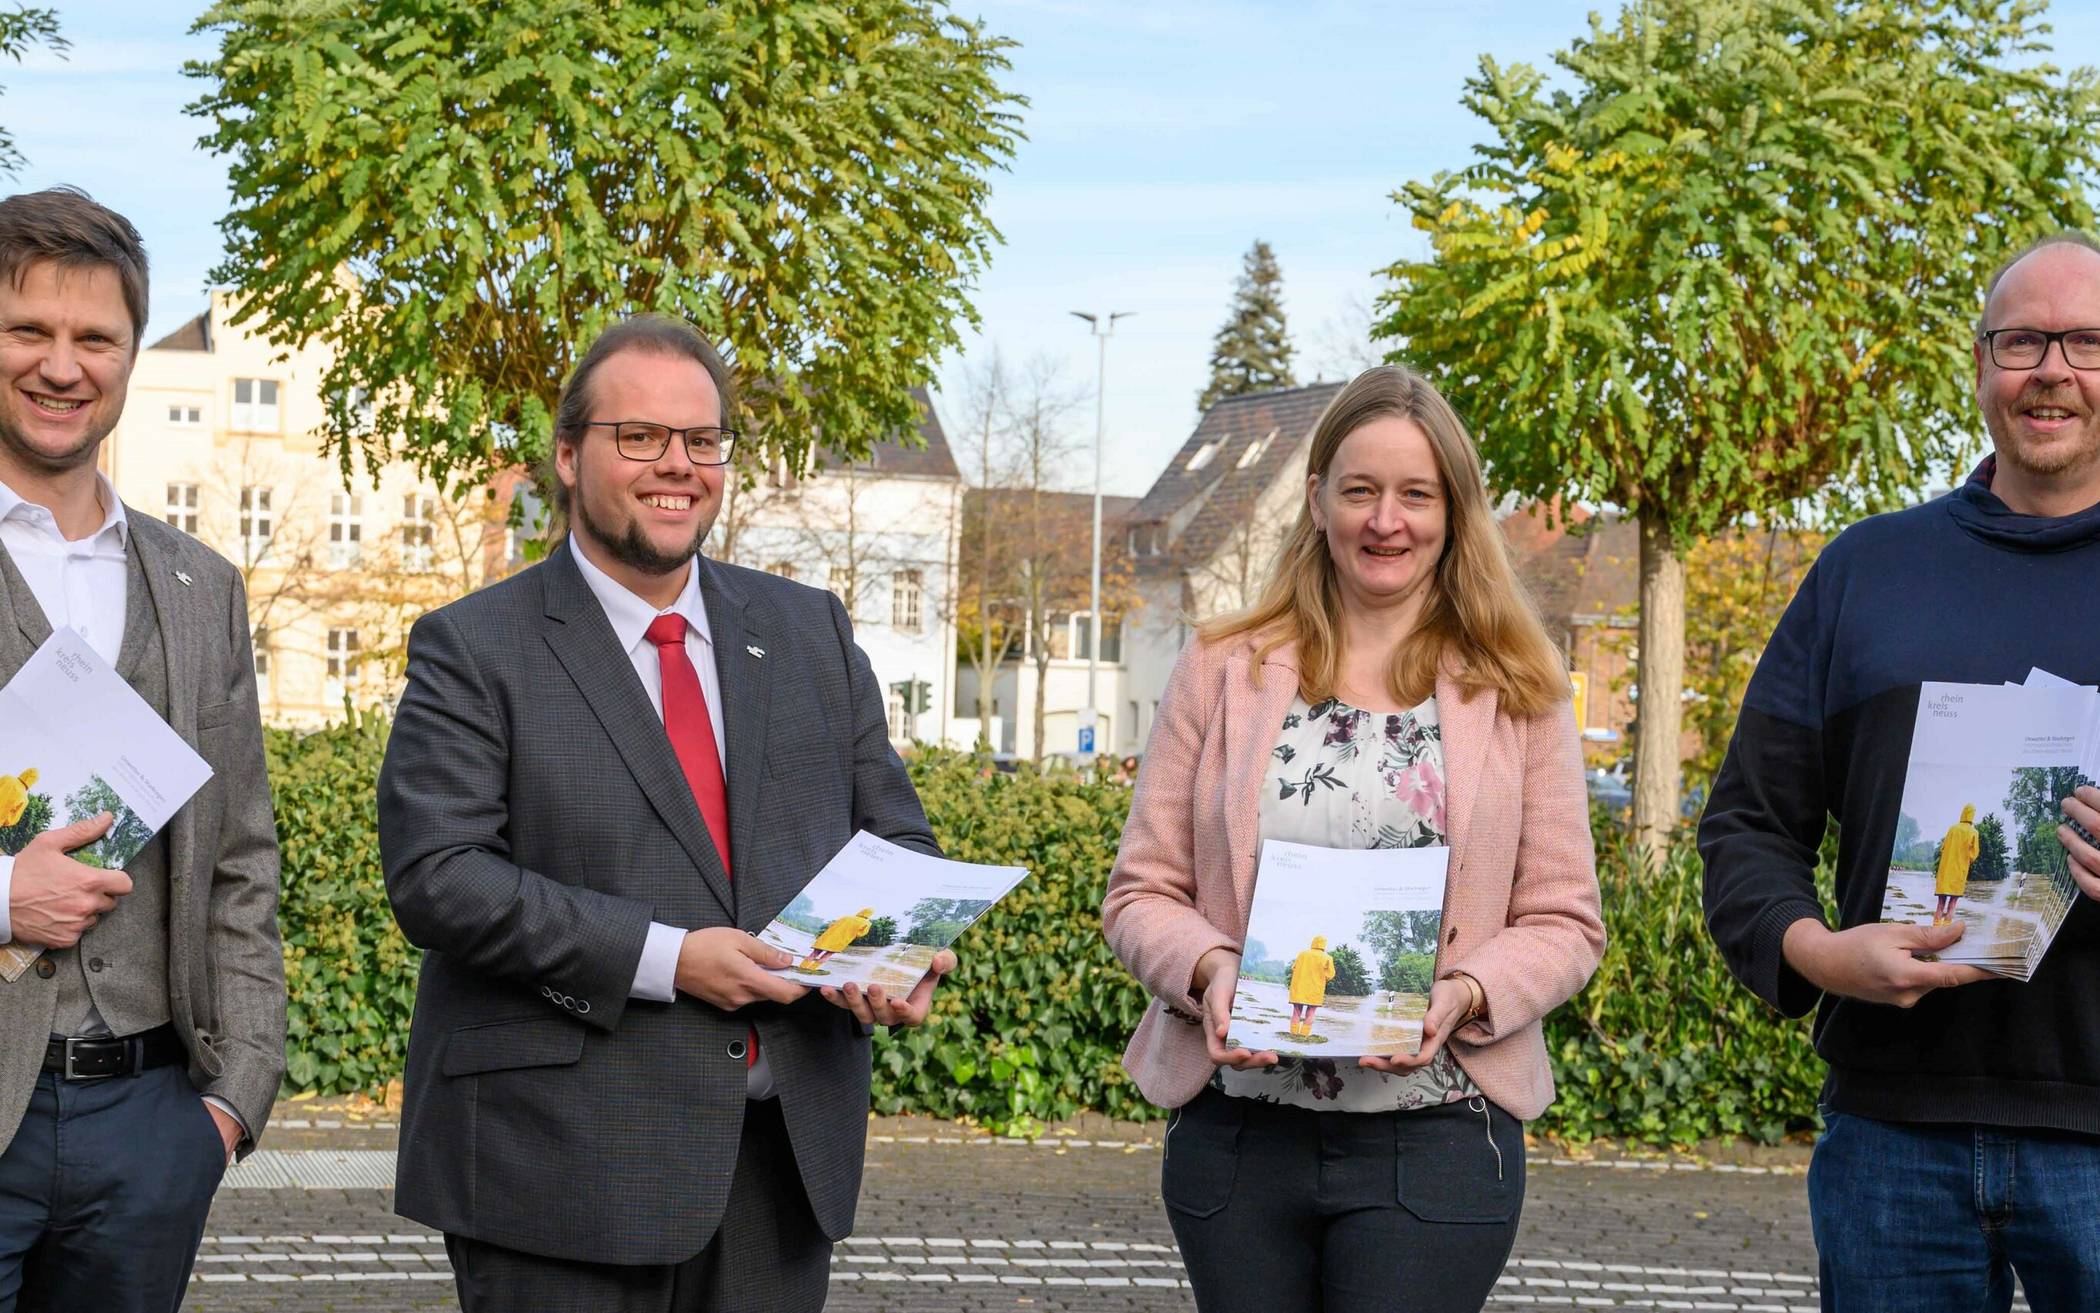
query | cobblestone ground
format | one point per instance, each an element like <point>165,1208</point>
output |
<point>953,1221</point>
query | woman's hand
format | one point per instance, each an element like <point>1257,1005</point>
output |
<point>1217,976</point>
<point>1448,1001</point>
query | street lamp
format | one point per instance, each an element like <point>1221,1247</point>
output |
<point>1103,328</point>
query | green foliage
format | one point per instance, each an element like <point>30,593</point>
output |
<point>2034,798</point>
<point>128,832</point>
<point>34,820</point>
<point>1665,1046</point>
<point>349,973</point>
<point>21,28</point>
<point>937,921</point>
<point>452,195</point>
<point>1409,973</point>
<point>1993,857</point>
<point>882,932</point>
<point>1033,1021</point>
<point>1252,351</point>
<point>1351,977</point>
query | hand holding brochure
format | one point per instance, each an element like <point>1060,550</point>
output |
<point>1976,834</point>
<point>1341,950</point>
<point>877,913</point>
<point>80,741</point>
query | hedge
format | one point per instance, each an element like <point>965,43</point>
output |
<point>1663,1047</point>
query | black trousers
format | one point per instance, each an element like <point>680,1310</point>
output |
<point>767,1256</point>
<point>103,1194</point>
<point>1278,1207</point>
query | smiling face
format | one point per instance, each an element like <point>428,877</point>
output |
<point>2045,421</point>
<point>1382,509</point>
<point>648,516</point>
<point>66,351</point>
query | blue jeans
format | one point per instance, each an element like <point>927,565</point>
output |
<point>1925,1218</point>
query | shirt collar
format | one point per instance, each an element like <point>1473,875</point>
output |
<point>14,506</point>
<point>630,615</point>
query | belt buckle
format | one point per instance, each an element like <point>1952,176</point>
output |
<point>71,1073</point>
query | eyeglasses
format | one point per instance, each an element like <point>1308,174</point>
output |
<point>2023,348</point>
<point>640,440</point>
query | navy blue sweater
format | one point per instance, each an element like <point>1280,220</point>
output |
<point>1958,589</point>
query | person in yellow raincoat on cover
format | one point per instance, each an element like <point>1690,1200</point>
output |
<point>1957,852</point>
<point>839,934</point>
<point>14,796</point>
<point>1310,972</point>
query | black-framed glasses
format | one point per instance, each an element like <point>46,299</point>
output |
<point>2024,348</point>
<point>641,440</point>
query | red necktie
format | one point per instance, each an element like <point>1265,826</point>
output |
<point>693,741</point>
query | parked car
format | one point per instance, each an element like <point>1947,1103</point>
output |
<point>1609,789</point>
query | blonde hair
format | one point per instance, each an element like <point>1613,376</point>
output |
<point>1476,615</point>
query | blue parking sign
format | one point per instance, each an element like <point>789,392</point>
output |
<point>1086,738</point>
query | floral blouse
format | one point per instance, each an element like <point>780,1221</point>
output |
<point>1346,778</point>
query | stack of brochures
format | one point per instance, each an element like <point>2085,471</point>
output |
<point>79,742</point>
<point>1340,951</point>
<point>1976,837</point>
<point>878,912</point>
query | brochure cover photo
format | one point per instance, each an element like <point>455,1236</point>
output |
<point>79,741</point>
<point>1976,834</point>
<point>1340,950</point>
<point>877,913</point>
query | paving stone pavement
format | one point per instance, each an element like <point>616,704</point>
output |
<point>951,1221</point>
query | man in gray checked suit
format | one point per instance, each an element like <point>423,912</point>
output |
<point>145,1046</point>
<point>606,772</point>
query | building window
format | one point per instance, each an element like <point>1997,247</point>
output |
<point>1254,450</point>
<point>1202,456</point>
<point>785,569</point>
<point>255,405</point>
<point>262,664</point>
<point>182,506</point>
<point>900,720</point>
<point>342,655</point>
<point>346,529</point>
<point>905,592</point>
<point>418,531</point>
<point>186,415</point>
<point>258,524</point>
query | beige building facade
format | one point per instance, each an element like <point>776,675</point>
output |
<point>220,438</point>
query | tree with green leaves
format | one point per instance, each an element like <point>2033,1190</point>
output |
<point>34,820</point>
<point>1252,351</point>
<point>1729,266</point>
<point>128,832</point>
<point>1993,854</point>
<point>1352,979</point>
<point>455,196</point>
<point>22,29</point>
<point>882,932</point>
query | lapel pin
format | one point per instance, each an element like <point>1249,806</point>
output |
<point>185,578</point>
<point>754,651</point>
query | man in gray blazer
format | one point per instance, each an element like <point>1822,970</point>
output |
<point>605,773</point>
<point>147,1041</point>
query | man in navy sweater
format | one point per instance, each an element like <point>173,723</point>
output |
<point>1962,1111</point>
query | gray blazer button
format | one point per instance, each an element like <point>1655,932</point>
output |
<point>736,1049</point>
<point>94,964</point>
<point>46,968</point>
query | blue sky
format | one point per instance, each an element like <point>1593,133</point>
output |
<point>1164,137</point>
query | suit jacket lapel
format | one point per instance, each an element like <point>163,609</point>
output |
<point>185,622</point>
<point>583,641</point>
<point>746,683</point>
<point>1466,726</point>
<point>26,617</point>
<point>1255,713</point>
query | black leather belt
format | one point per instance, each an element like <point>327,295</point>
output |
<point>100,1057</point>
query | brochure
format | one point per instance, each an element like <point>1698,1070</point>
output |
<point>1976,836</point>
<point>877,913</point>
<point>1340,951</point>
<point>80,741</point>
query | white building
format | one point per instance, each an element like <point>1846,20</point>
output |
<point>881,534</point>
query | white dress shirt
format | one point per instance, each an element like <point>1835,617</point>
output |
<point>80,584</point>
<point>630,617</point>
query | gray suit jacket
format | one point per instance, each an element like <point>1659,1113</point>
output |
<point>225,968</point>
<point>534,821</point>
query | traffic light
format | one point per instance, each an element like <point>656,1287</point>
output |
<point>916,695</point>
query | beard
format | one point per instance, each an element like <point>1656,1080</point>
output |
<point>628,544</point>
<point>33,457</point>
<point>2046,460</point>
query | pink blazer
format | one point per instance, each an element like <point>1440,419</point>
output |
<point>1520,904</point>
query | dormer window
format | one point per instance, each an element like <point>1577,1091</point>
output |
<point>1255,449</point>
<point>1202,456</point>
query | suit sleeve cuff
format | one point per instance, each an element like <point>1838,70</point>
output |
<point>7,891</point>
<point>656,975</point>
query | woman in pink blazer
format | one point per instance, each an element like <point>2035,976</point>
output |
<point>1392,687</point>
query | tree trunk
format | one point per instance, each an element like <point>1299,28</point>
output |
<point>1658,766</point>
<point>1042,681</point>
